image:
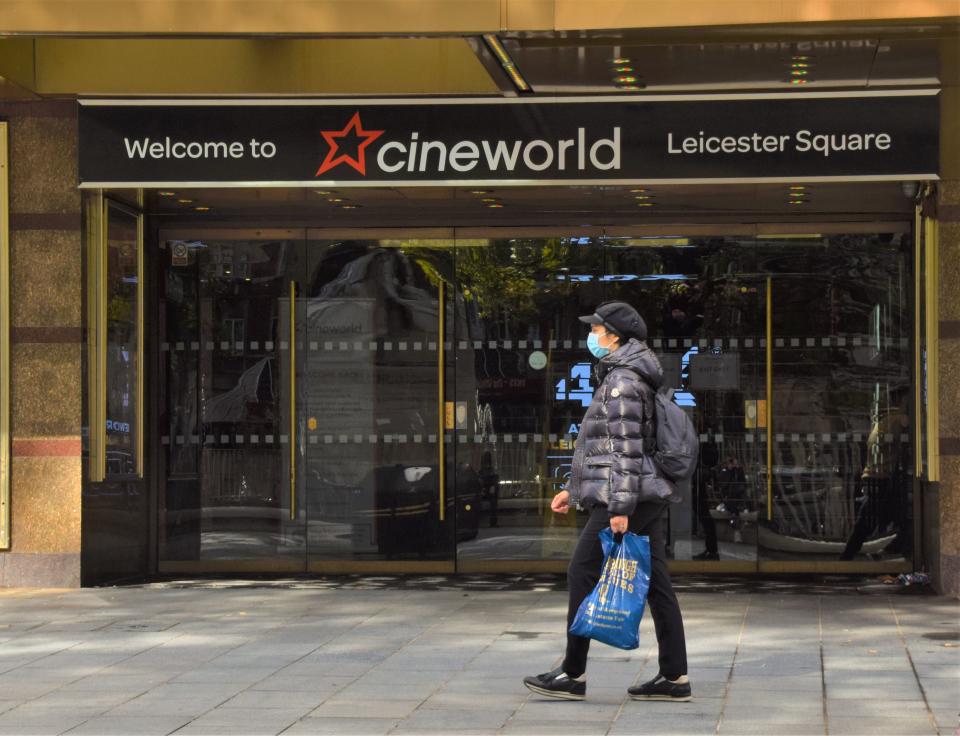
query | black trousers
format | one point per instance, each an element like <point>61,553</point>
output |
<point>584,572</point>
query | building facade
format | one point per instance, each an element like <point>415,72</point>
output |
<point>294,289</point>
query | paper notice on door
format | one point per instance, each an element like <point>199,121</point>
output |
<point>710,372</point>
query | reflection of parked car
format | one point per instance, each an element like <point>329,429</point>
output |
<point>405,518</point>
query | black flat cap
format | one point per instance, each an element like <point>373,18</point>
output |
<point>620,318</point>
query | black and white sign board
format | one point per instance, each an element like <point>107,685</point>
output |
<point>518,141</point>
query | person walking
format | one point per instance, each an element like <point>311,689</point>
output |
<point>613,477</point>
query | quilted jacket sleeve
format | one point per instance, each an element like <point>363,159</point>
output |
<point>625,399</point>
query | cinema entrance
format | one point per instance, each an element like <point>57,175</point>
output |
<point>370,377</point>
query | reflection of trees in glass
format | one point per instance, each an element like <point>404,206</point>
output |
<point>516,277</point>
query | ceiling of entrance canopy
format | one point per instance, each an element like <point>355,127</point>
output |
<point>635,61</point>
<point>579,205</point>
<point>619,64</point>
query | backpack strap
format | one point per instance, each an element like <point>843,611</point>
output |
<point>648,424</point>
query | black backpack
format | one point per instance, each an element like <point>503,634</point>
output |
<point>676,443</point>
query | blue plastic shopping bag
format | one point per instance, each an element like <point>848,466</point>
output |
<point>612,612</point>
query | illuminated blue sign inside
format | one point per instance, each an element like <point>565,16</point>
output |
<point>577,387</point>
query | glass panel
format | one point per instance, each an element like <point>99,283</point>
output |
<point>704,308</point>
<point>842,322</point>
<point>533,379</point>
<point>523,383</point>
<point>371,394</point>
<point>225,424</point>
<point>121,364</point>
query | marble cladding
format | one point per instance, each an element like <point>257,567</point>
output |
<point>949,191</point>
<point>950,271</point>
<point>46,369</point>
<point>49,570</point>
<point>949,382</point>
<point>45,512</point>
<point>46,392</point>
<point>950,575</point>
<point>43,165</point>
<point>48,278</point>
<point>950,505</point>
<point>950,387</point>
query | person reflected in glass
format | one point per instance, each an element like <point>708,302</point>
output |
<point>490,485</point>
<point>732,484</point>
<point>882,502</point>
<point>683,316</point>
<point>613,477</point>
<point>704,482</point>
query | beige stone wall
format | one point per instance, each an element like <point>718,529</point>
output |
<point>46,333</point>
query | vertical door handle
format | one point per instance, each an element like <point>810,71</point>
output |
<point>917,342</point>
<point>141,344</point>
<point>769,398</point>
<point>441,406</point>
<point>293,400</point>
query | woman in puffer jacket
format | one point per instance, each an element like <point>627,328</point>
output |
<point>614,479</point>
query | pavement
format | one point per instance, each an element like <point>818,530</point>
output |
<point>428,655</point>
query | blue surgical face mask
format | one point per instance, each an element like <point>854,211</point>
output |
<point>593,345</point>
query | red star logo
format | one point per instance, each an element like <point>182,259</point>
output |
<point>358,160</point>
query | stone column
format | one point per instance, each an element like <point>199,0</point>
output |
<point>945,524</point>
<point>46,336</point>
<point>942,511</point>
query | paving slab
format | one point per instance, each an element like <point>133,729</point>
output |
<point>342,726</point>
<point>395,655</point>
<point>140,725</point>
<point>869,726</point>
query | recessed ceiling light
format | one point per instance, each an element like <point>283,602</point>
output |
<point>495,206</point>
<point>629,79</point>
<point>488,200</point>
<point>350,206</point>
<point>644,204</point>
<point>623,69</point>
<point>638,190</point>
<point>322,192</point>
<point>642,196</point>
<point>798,81</point>
<point>202,208</point>
<point>479,191</point>
<point>167,194</point>
<point>335,200</point>
<point>621,60</point>
<point>185,201</point>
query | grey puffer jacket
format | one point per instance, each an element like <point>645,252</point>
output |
<point>612,463</point>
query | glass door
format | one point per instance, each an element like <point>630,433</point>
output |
<point>704,305</point>
<point>384,490</point>
<point>229,366</point>
<point>841,353</point>
<point>524,380</point>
